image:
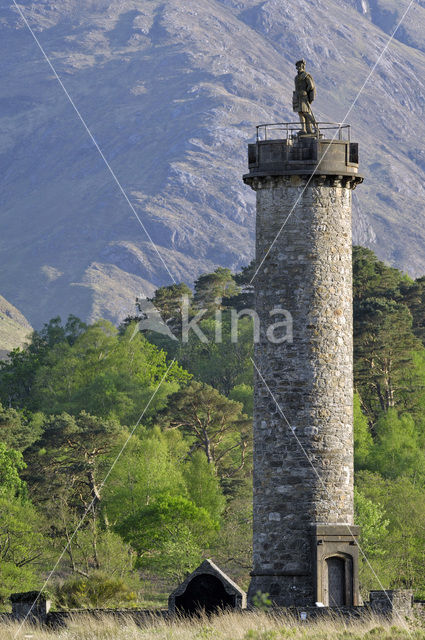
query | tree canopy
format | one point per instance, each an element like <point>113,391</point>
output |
<point>168,425</point>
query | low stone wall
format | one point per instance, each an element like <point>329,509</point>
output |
<point>60,618</point>
<point>392,602</point>
<point>314,613</point>
<point>395,605</point>
<point>139,616</point>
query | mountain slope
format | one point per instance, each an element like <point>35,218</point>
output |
<point>14,328</point>
<point>172,93</point>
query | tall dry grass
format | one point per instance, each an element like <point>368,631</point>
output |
<point>227,626</point>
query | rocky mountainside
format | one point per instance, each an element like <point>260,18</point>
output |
<point>172,92</point>
<point>386,14</point>
<point>14,328</point>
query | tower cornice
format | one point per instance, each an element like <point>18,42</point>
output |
<point>267,181</point>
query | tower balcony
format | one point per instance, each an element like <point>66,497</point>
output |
<point>281,150</point>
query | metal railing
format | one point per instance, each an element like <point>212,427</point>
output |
<point>290,130</point>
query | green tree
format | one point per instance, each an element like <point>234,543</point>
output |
<point>222,364</point>
<point>212,286</point>
<point>244,393</point>
<point>22,546</point>
<point>232,550</point>
<point>11,463</point>
<point>106,374</point>
<point>18,430</point>
<point>372,278</point>
<point>169,302</point>
<point>170,535</point>
<point>414,297</point>
<point>363,441</point>
<point>412,396</point>
<point>244,299</point>
<point>115,557</point>
<point>370,516</point>
<point>213,424</point>
<point>17,374</point>
<point>384,336</point>
<point>150,466</point>
<point>403,506</point>
<point>65,470</point>
<point>203,486</point>
<point>397,451</point>
<point>21,543</point>
<point>384,344</point>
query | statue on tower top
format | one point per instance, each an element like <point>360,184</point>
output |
<point>303,96</point>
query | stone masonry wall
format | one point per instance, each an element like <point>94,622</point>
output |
<point>308,272</point>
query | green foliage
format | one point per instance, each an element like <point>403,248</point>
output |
<point>363,441</point>
<point>21,545</point>
<point>212,424</point>
<point>412,399</point>
<point>373,278</point>
<point>397,451</point>
<point>401,503</point>
<point>94,369</point>
<point>384,344</point>
<point>203,485</point>
<point>212,286</point>
<point>66,467</point>
<point>69,454</point>
<point>149,467</point>
<point>389,420</point>
<point>384,336</point>
<point>374,527</point>
<point>116,557</point>
<point>232,550</point>
<point>94,548</point>
<point>181,487</point>
<point>17,374</point>
<point>414,296</point>
<point>11,463</point>
<point>169,535</point>
<point>96,591</point>
<point>262,601</point>
<point>17,430</point>
<point>107,374</point>
<point>168,301</point>
<point>244,394</point>
<point>223,364</point>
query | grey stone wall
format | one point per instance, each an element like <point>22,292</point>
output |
<point>308,272</point>
<point>396,603</point>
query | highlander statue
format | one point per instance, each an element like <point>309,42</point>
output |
<point>304,94</point>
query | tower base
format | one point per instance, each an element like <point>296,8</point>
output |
<point>332,578</point>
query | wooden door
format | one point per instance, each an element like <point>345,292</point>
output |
<point>336,581</point>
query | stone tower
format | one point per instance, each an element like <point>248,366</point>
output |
<point>304,542</point>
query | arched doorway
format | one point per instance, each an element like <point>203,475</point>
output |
<point>204,593</point>
<point>337,565</point>
<point>336,581</point>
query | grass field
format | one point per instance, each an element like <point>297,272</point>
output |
<point>228,626</point>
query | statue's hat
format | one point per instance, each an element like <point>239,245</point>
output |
<point>299,62</point>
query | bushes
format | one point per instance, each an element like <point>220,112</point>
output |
<point>95,591</point>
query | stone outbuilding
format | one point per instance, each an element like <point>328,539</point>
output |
<point>206,589</point>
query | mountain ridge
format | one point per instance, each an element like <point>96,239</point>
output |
<point>172,94</point>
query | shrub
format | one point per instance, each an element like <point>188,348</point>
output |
<point>96,591</point>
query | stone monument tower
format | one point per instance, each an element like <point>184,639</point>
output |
<point>305,548</point>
